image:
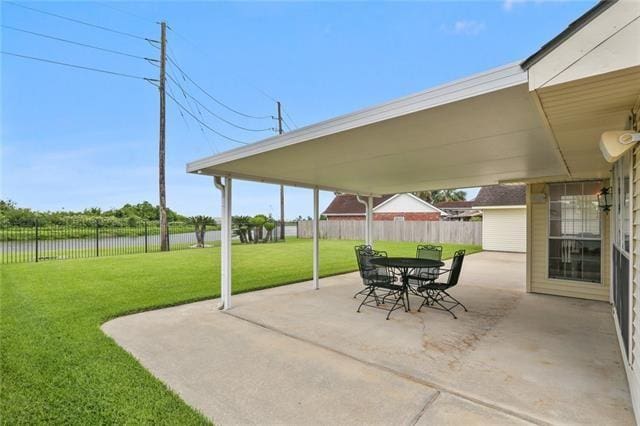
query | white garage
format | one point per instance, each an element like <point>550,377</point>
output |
<point>504,217</point>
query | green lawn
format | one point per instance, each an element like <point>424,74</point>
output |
<point>58,367</point>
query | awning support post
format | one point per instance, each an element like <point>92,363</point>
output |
<point>370,221</point>
<point>225,242</point>
<point>316,237</point>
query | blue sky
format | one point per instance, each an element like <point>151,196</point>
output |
<point>73,139</point>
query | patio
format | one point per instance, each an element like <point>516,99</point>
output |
<point>296,355</point>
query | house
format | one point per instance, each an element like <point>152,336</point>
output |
<point>396,207</point>
<point>461,210</point>
<point>565,122</point>
<point>504,217</point>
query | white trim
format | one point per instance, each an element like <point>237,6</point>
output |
<point>489,81</point>
<point>523,206</point>
<point>225,243</point>
<point>443,213</point>
<point>316,237</point>
<point>285,182</point>
<point>344,214</point>
<point>369,223</point>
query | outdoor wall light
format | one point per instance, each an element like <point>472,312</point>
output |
<point>603,199</point>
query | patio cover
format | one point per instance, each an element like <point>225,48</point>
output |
<point>477,131</point>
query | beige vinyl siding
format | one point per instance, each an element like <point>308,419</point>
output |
<point>537,256</point>
<point>504,229</point>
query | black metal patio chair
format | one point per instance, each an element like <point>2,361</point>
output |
<point>435,293</point>
<point>381,288</point>
<point>368,270</point>
<point>424,275</point>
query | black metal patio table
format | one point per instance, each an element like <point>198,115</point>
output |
<point>405,265</point>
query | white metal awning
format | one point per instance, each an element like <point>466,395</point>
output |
<point>477,131</point>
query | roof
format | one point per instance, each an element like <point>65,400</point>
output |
<point>501,195</point>
<point>462,204</point>
<point>445,137</point>
<point>349,204</point>
<point>573,27</point>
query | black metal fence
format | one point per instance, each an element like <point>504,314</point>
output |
<point>39,243</point>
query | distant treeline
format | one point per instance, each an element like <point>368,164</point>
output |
<point>128,215</point>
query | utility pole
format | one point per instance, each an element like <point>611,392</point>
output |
<point>164,225</point>
<point>280,131</point>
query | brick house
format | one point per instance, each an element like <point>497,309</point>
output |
<point>398,207</point>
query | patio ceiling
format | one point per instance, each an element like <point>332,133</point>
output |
<point>481,130</point>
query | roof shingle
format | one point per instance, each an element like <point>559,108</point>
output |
<point>501,195</point>
<point>348,204</point>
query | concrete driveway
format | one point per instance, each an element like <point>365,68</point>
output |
<point>293,355</point>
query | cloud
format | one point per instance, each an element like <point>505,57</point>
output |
<point>509,4</point>
<point>465,27</point>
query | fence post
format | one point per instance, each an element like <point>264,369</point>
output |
<point>145,236</point>
<point>37,255</point>
<point>97,239</point>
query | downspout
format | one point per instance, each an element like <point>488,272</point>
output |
<point>367,214</point>
<point>217,181</point>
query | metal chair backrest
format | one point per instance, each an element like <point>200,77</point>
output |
<point>428,251</point>
<point>369,271</point>
<point>359,249</point>
<point>431,252</point>
<point>456,268</point>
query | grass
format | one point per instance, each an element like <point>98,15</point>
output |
<point>58,367</point>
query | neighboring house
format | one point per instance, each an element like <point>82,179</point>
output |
<point>398,207</point>
<point>459,210</point>
<point>504,217</point>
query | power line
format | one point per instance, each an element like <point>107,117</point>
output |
<point>286,124</point>
<point>291,119</point>
<point>203,123</point>
<point>186,123</point>
<point>78,66</point>
<point>212,97</point>
<point>237,126</point>
<point>203,53</point>
<point>117,52</point>
<point>78,21</point>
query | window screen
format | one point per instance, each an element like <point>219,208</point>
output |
<point>574,231</point>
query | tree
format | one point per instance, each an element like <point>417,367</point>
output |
<point>200,226</point>
<point>258,222</point>
<point>269,226</point>
<point>242,228</point>
<point>441,195</point>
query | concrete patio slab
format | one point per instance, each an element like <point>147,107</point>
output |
<point>448,409</point>
<point>295,355</point>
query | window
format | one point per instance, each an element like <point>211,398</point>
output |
<point>621,200</point>
<point>574,231</point>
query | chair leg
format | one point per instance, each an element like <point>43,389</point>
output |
<point>393,308</point>
<point>372,290</point>
<point>456,300</point>
<point>425,301</point>
<point>446,309</point>
<point>436,298</point>
<point>363,291</point>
